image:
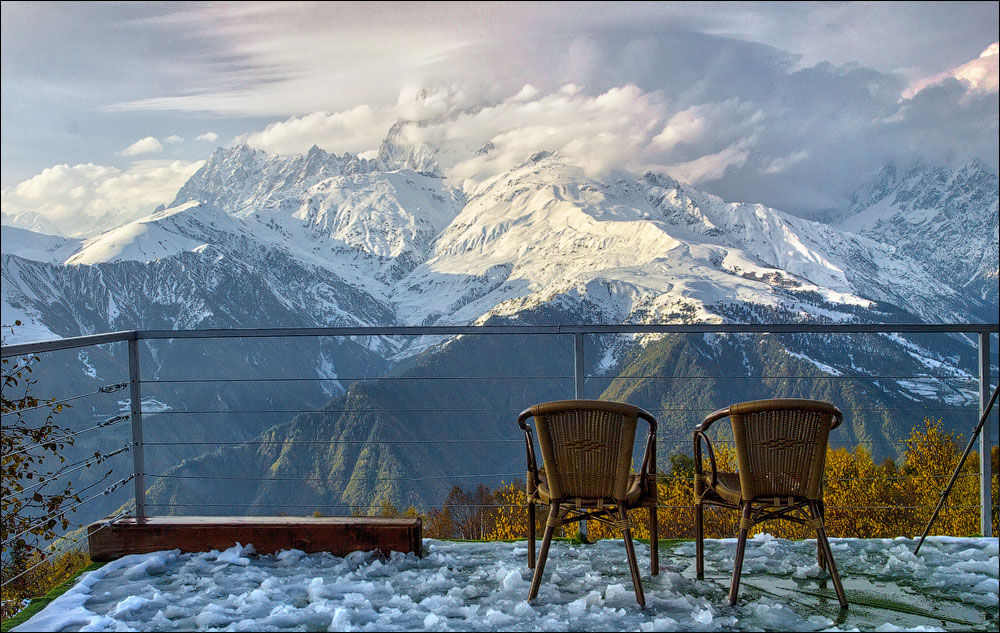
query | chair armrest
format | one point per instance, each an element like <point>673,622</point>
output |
<point>701,434</point>
<point>522,420</point>
<point>648,467</point>
<point>533,478</point>
<point>698,436</point>
<point>711,419</point>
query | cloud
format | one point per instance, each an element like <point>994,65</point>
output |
<point>711,166</point>
<point>148,145</point>
<point>210,137</point>
<point>783,163</point>
<point>80,198</point>
<point>790,105</point>
<point>623,128</point>
<point>270,59</point>
<point>355,131</point>
<point>979,75</point>
<point>173,138</point>
<point>600,132</point>
<point>805,143</point>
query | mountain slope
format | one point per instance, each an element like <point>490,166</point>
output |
<point>946,220</point>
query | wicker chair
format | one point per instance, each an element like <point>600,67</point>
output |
<point>587,452</point>
<point>780,452</point>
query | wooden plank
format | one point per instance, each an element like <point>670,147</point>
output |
<point>337,535</point>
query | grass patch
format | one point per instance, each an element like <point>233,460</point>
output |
<point>37,604</point>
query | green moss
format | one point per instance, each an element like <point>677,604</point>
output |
<point>37,604</point>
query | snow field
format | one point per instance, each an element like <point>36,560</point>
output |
<point>482,587</point>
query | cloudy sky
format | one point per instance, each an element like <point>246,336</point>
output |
<point>108,108</point>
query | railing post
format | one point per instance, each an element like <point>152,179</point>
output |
<point>578,371</point>
<point>985,440</point>
<point>578,379</point>
<point>135,411</point>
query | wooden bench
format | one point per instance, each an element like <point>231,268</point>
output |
<point>337,535</point>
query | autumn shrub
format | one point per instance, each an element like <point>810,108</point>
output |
<point>43,575</point>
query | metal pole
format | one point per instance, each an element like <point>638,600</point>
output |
<point>578,371</point>
<point>578,379</point>
<point>135,398</point>
<point>985,440</point>
<point>958,468</point>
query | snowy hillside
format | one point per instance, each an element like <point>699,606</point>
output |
<point>947,220</point>
<point>37,246</point>
<point>641,250</point>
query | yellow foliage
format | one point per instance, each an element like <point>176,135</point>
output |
<point>43,576</point>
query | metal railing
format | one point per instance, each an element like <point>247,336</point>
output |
<point>137,446</point>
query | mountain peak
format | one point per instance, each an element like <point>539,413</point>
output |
<point>399,152</point>
<point>944,217</point>
<point>659,180</point>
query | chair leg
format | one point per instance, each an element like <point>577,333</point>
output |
<point>654,543</point>
<point>531,535</point>
<point>741,546</point>
<point>633,562</point>
<point>536,580</point>
<point>820,558</point>
<point>699,540</point>
<point>828,554</point>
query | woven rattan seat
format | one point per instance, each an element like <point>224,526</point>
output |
<point>780,452</point>
<point>541,493</point>
<point>587,456</point>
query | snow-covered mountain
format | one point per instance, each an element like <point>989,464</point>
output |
<point>944,219</point>
<point>36,245</point>
<point>29,220</point>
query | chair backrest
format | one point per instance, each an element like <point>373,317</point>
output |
<point>586,446</point>
<point>781,446</point>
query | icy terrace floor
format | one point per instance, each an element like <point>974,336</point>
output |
<point>952,585</point>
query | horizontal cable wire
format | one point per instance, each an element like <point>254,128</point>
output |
<point>503,505</point>
<point>488,476</point>
<point>841,444</point>
<point>567,377</point>
<point>399,410</point>
<point>688,440</point>
<point>52,403</point>
<point>90,461</point>
<point>115,486</point>
<point>820,376</point>
<point>496,409</point>
<point>899,477</point>
<point>348,478</point>
<point>106,423</point>
<point>350,379</point>
<point>469,441</point>
<point>328,442</point>
<point>64,549</point>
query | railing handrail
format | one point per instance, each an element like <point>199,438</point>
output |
<point>22,349</point>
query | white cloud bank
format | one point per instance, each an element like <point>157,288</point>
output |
<point>355,131</point>
<point>624,128</point>
<point>148,145</point>
<point>743,148</point>
<point>793,139</point>
<point>981,75</point>
<point>84,199</point>
<point>209,137</point>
